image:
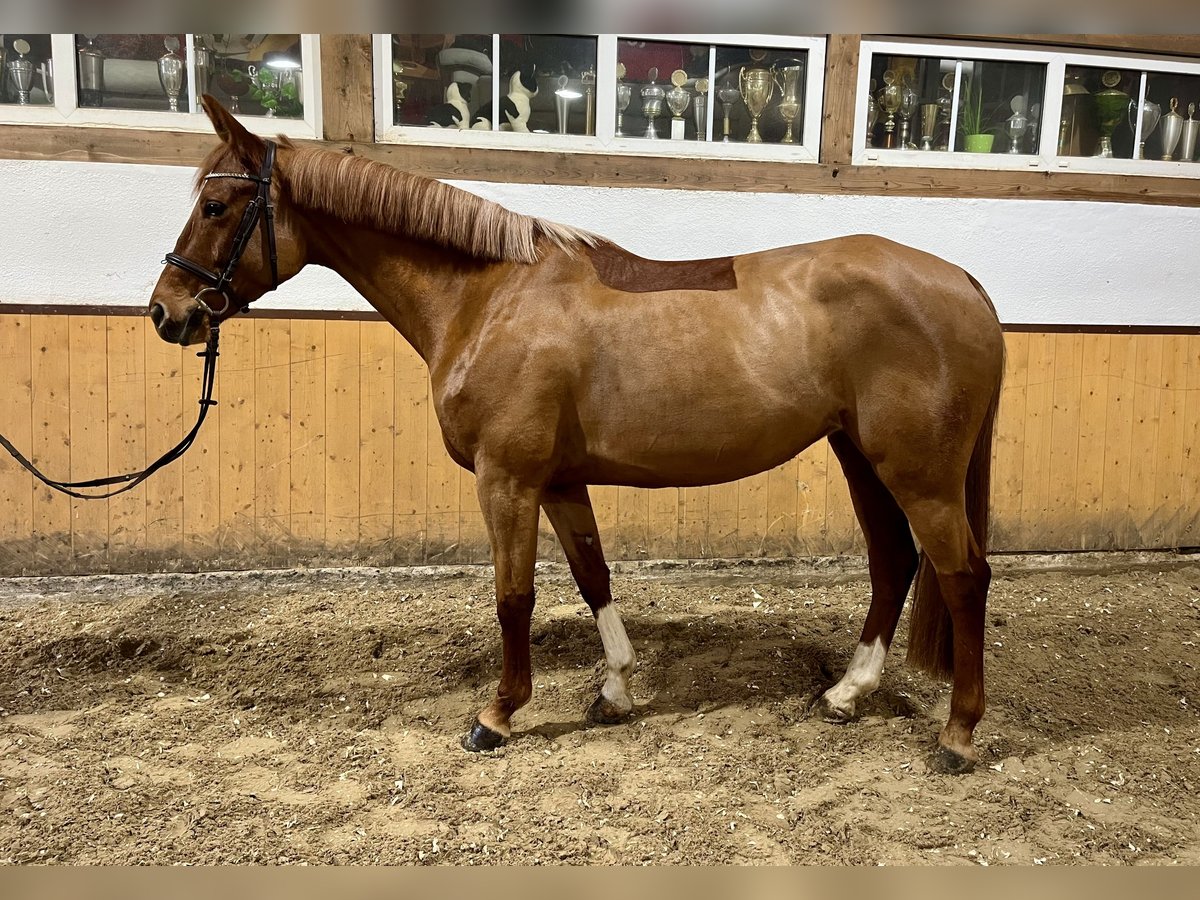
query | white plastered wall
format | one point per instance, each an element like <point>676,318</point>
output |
<point>95,234</point>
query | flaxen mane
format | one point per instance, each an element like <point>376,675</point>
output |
<point>362,192</point>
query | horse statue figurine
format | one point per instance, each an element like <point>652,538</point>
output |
<point>558,360</point>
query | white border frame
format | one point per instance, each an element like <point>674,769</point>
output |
<point>1046,159</point>
<point>605,141</point>
<point>66,109</point>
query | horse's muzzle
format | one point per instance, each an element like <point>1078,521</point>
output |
<point>191,329</point>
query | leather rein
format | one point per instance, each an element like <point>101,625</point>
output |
<point>259,210</point>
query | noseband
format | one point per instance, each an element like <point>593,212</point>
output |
<point>260,209</point>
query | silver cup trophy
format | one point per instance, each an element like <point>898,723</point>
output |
<point>789,103</point>
<point>20,71</point>
<point>204,65</point>
<point>624,95</point>
<point>908,107</point>
<point>1017,124</point>
<point>91,73</point>
<point>1150,114</point>
<point>1172,128</point>
<point>652,103</point>
<point>564,99</point>
<point>1191,128</point>
<point>678,99</point>
<point>729,96</point>
<point>170,72</point>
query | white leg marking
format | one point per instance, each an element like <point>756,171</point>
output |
<point>619,654</point>
<point>861,678</point>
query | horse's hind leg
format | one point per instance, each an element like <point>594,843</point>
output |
<point>892,561</point>
<point>570,512</point>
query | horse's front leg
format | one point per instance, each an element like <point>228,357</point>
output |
<point>510,509</point>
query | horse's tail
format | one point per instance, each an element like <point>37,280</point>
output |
<point>930,631</point>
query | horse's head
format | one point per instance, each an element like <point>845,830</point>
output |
<point>231,222</point>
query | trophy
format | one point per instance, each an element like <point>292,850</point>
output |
<point>729,96</point>
<point>789,104</point>
<point>564,98</point>
<point>652,101</point>
<point>170,72</point>
<point>20,70</point>
<point>758,86</point>
<point>929,120</point>
<point>1110,106</point>
<point>46,71</point>
<point>1187,148</point>
<point>700,108</point>
<point>91,73</point>
<point>1172,127</point>
<point>1150,113</point>
<point>889,100</point>
<point>678,99</point>
<point>908,106</point>
<point>1017,123</point>
<point>203,65</point>
<point>945,102</point>
<point>624,94</point>
<point>399,89</point>
<point>589,92</point>
<point>872,114</point>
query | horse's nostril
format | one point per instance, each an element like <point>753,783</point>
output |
<point>158,312</point>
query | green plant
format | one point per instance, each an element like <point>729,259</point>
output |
<point>265,89</point>
<point>970,117</point>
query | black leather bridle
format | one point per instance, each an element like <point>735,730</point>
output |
<point>260,209</point>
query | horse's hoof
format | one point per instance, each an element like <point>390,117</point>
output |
<point>830,713</point>
<point>950,762</point>
<point>604,712</point>
<point>481,738</point>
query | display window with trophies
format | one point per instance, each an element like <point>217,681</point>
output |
<point>753,96</point>
<point>157,80</point>
<point>998,107</point>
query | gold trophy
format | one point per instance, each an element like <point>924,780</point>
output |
<point>789,104</point>
<point>678,99</point>
<point>729,96</point>
<point>758,86</point>
<point>889,101</point>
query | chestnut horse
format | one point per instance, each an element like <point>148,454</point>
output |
<point>559,361</point>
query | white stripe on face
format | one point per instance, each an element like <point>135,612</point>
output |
<point>619,654</point>
<point>861,678</point>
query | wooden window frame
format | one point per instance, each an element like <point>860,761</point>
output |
<point>348,125</point>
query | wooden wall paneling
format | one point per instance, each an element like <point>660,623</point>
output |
<point>1009,446</point>
<point>50,442</point>
<point>1118,442</point>
<point>841,83</point>
<point>1189,494</point>
<point>89,437</point>
<point>633,524</point>
<point>272,439</point>
<point>842,534</point>
<point>811,500</point>
<point>443,497</point>
<point>16,403</point>
<point>306,437</point>
<point>1166,518</point>
<point>165,405</point>
<point>410,468</point>
<point>342,405</point>
<point>752,515</point>
<point>126,435</point>
<point>605,500</point>
<point>1036,527</point>
<point>1063,519</point>
<point>1093,444</point>
<point>377,438</point>
<point>722,525</point>
<point>472,530</point>
<point>663,526</point>
<point>782,498</point>
<point>347,88</point>
<point>237,534</point>
<point>693,523</point>
<point>1144,452</point>
<point>201,467</point>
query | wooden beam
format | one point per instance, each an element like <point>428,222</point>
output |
<point>348,111</point>
<point>609,170</point>
<point>841,80</point>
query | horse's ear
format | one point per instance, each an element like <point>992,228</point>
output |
<point>247,146</point>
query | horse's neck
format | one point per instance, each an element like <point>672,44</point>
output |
<point>421,289</point>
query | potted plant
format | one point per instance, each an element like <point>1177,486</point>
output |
<point>976,138</point>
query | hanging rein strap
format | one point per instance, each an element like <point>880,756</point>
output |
<point>260,209</point>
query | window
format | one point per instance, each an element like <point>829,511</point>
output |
<point>756,96</point>
<point>996,107</point>
<point>156,80</point>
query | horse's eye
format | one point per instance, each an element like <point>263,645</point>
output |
<point>213,208</point>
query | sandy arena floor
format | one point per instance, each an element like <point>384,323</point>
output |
<point>315,717</point>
